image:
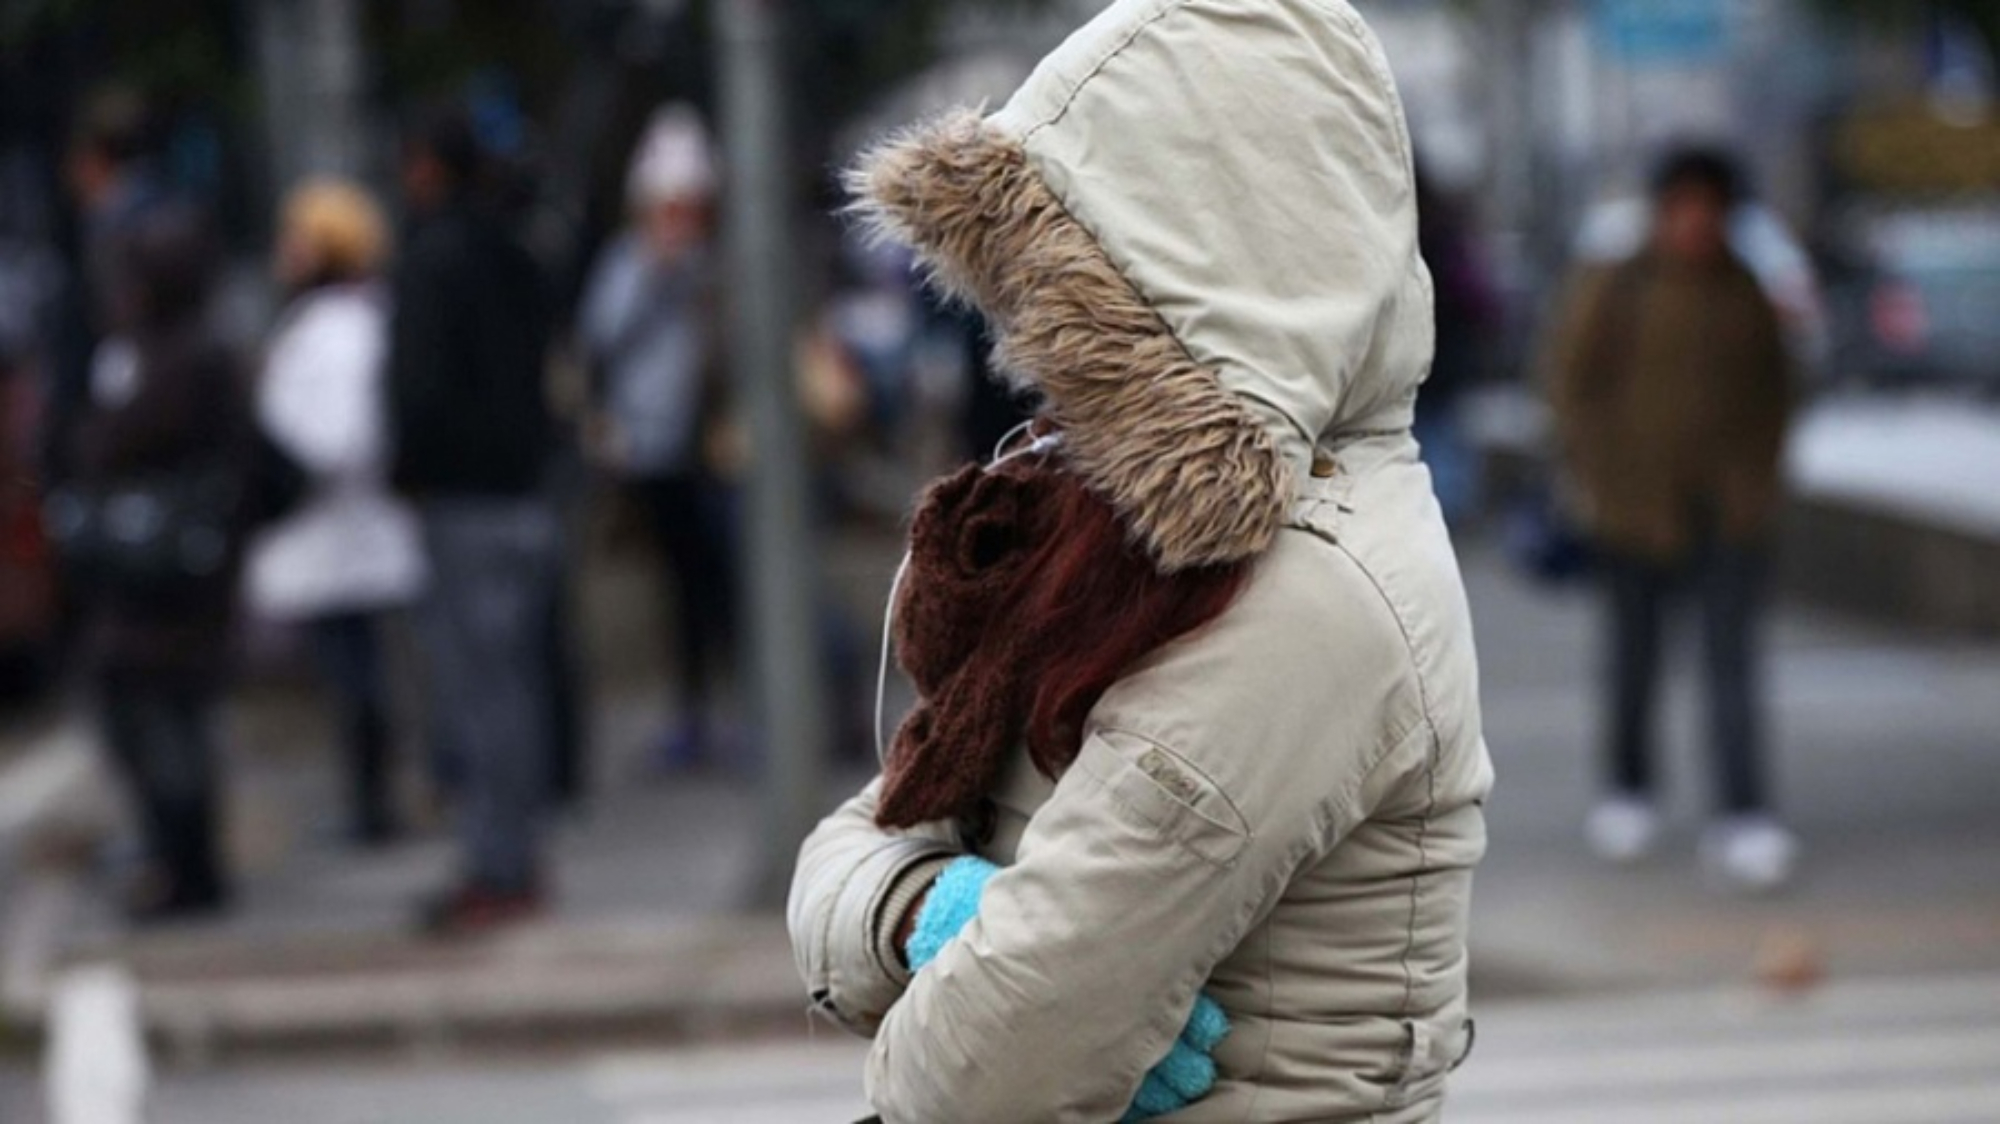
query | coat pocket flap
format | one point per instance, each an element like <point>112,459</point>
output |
<point>1166,792</point>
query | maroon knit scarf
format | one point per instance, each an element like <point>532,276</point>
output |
<point>1023,601</point>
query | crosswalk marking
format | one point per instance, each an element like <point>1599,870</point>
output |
<point>1906,1051</point>
<point>1887,1052</point>
<point>1584,1070</point>
<point>1963,1102</point>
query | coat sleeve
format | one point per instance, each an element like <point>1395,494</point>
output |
<point>1751,472</point>
<point>850,873</point>
<point>320,398</point>
<point>1574,390</point>
<point>1207,780</point>
<point>1769,399</point>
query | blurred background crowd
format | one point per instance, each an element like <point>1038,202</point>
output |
<point>453,458</point>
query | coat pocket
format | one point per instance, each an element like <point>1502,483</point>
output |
<point>1165,792</point>
<point>1430,1052</point>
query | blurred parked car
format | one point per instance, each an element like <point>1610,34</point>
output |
<point>1919,300</point>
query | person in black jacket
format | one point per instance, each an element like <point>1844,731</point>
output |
<point>473,437</point>
<point>167,411</point>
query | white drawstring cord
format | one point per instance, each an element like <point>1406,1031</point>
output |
<point>882,669</point>
<point>1008,439</point>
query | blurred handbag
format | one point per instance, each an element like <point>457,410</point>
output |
<point>154,536</point>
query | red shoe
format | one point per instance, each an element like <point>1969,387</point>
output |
<point>471,910</point>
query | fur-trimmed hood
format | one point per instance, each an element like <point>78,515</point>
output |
<point>1194,229</point>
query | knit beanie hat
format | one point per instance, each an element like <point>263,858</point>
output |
<point>674,161</point>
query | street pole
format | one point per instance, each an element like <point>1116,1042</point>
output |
<point>309,61</point>
<point>786,685</point>
<point>1510,114</point>
<point>332,56</point>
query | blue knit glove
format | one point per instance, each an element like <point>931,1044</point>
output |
<point>1183,1077</point>
<point>950,906</point>
<point>1187,1073</point>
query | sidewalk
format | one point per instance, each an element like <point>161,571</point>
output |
<point>652,932</point>
<point>1889,755</point>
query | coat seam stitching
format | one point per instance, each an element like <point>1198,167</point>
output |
<point>1417,880</point>
<point>1270,1022</point>
<point>1097,68</point>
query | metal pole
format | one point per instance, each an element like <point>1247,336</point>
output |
<point>309,59</point>
<point>786,686</point>
<point>1510,116</point>
<point>331,56</point>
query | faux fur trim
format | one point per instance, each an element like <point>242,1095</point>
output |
<point>1193,473</point>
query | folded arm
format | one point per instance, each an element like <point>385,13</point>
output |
<point>1088,954</point>
<point>854,885</point>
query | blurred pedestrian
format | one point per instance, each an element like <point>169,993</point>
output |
<point>151,528</point>
<point>1467,314</point>
<point>1670,381</point>
<point>473,436</point>
<point>651,334</point>
<point>1188,809</point>
<point>348,555</point>
<point>111,177</point>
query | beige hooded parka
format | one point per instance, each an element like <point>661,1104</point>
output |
<point>1195,232</point>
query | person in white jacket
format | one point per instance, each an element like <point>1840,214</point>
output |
<point>349,552</point>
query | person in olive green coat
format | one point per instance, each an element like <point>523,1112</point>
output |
<point>1671,390</point>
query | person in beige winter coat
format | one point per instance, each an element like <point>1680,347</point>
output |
<point>1194,229</point>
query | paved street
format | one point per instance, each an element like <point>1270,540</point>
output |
<point>1911,1051</point>
<point>1887,748</point>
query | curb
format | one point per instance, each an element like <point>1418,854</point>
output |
<point>201,999</point>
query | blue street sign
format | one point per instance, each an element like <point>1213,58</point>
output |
<point>1657,32</point>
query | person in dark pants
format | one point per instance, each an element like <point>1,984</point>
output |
<point>473,435</point>
<point>1726,581</point>
<point>1671,388</point>
<point>649,328</point>
<point>569,757</point>
<point>167,410</point>
<point>348,555</point>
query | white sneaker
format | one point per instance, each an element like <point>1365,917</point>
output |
<point>1753,853</point>
<point>1622,829</point>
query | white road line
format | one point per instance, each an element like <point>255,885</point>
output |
<point>1583,1070</point>
<point>1924,1102</point>
<point>1922,1051</point>
<point>1866,1004</point>
<point>97,1071</point>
